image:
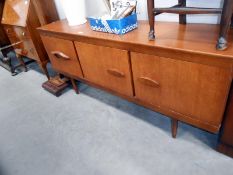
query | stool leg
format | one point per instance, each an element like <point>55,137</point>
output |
<point>150,8</point>
<point>75,87</point>
<point>174,127</point>
<point>182,18</point>
<point>225,24</point>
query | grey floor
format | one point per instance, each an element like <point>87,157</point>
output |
<point>94,133</point>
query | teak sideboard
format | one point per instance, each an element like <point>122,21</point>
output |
<point>180,74</point>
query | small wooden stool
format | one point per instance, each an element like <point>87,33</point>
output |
<point>182,10</point>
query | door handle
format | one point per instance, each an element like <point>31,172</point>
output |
<point>60,55</point>
<point>116,73</point>
<point>148,81</point>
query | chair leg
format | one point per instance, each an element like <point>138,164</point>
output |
<point>174,127</point>
<point>150,8</point>
<point>75,87</point>
<point>225,24</point>
<point>182,17</point>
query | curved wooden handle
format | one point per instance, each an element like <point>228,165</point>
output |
<point>148,81</point>
<point>116,73</point>
<point>59,55</point>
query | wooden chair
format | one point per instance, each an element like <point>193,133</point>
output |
<point>182,10</point>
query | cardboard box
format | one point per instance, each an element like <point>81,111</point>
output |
<point>119,26</point>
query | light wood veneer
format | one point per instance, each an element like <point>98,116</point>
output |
<point>106,66</point>
<point>180,74</point>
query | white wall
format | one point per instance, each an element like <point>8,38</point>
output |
<point>94,6</point>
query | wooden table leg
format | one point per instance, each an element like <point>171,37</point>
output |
<point>225,24</point>
<point>150,8</point>
<point>174,127</point>
<point>75,87</point>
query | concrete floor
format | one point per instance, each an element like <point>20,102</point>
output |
<point>94,133</point>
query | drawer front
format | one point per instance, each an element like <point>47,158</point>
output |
<point>62,55</point>
<point>106,66</point>
<point>194,90</point>
<point>21,34</point>
<point>147,79</point>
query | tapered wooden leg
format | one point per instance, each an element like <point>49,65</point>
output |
<point>182,17</point>
<point>20,58</point>
<point>174,127</point>
<point>150,8</point>
<point>225,24</point>
<point>75,87</point>
<point>43,67</point>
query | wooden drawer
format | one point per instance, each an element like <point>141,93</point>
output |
<point>194,90</point>
<point>106,66</point>
<point>62,55</point>
<point>21,34</point>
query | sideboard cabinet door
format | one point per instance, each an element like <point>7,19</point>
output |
<point>147,78</point>
<point>190,89</point>
<point>62,56</point>
<point>105,66</point>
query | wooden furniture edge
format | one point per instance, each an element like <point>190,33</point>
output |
<point>167,52</point>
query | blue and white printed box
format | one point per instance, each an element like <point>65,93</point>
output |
<point>119,26</point>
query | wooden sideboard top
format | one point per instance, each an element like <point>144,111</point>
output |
<point>190,38</point>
